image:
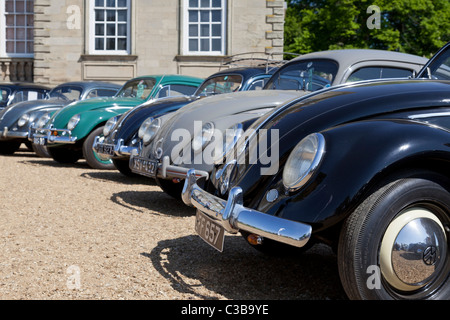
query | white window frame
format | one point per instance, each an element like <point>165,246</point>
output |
<point>3,52</point>
<point>186,37</point>
<point>92,37</point>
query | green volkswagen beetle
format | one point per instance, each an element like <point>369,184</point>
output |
<point>70,132</point>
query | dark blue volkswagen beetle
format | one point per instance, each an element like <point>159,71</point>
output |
<point>363,168</point>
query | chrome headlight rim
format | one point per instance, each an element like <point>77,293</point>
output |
<point>109,126</point>
<point>203,138</point>
<point>23,120</point>
<point>312,146</point>
<point>151,131</point>
<point>43,120</point>
<point>144,126</point>
<point>73,122</point>
<point>231,137</point>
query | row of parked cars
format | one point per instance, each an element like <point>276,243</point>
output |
<point>350,148</point>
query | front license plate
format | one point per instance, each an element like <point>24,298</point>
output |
<point>40,141</point>
<point>144,166</point>
<point>107,149</point>
<point>210,231</point>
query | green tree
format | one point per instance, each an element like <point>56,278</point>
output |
<point>414,26</point>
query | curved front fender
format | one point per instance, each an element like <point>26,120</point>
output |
<point>358,157</point>
<point>91,119</point>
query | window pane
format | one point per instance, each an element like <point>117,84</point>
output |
<point>110,44</point>
<point>99,3</point>
<point>122,30</point>
<point>111,3</point>
<point>99,15</point>
<point>20,20</point>
<point>216,3</point>
<point>205,3</point>
<point>193,3</point>
<point>30,6</point>
<point>20,33</point>
<point>20,6</point>
<point>10,33</point>
<point>99,29</point>
<point>9,6</point>
<point>20,47</point>
<point>193,45</point>
<point>122,3</point>
<point>204,30</point>
<point>216,16</point>
<point>122,15</point>
<point>193,30</point>
<point>216,30</point>
<point>99,44</point>
<point>111,29</point>
<point>204,16</point>
<point>204,45</point>
<point>216,45</point>
<point>193,16</point>
<point>122,44</point>
<point>110,15</point>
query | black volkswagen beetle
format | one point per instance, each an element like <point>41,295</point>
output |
<point>122,134</point>
<point>361,167</point>
<point>11,93</point>
<point>16,120</point>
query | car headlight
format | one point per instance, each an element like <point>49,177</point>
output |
<point>43,120</point>
<point>73,122</point>
<point>151,131</point>
<point>109,126</point>
<point>203,137</point>
<point>303,161</point>
<point>23,120</point>
<point>144,126</point>
<point>231,136</point>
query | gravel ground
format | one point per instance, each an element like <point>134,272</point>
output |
<point>68,232</point>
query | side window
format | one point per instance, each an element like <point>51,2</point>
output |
<point>258,84</point>
<point>101,93</point>
<point>27,95</point>
<point>368,73</point>
<point>174,90</point>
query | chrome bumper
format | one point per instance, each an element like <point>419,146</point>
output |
<point>233,216</point>
<point>119,149</point>
<point>63,136</point>
<point>8,134</point>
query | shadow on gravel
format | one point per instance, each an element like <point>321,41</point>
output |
<point>152,202</point>
<point>117,177</point>
<point>243,273</point>
<point>52,163</point>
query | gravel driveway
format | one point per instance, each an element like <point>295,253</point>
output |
<point>70,232</point>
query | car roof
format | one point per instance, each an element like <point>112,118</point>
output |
<point>90,84</point>
<point>350,56</point>
<point>17,85</point>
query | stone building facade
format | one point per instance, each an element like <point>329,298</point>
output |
<point>115,40</point>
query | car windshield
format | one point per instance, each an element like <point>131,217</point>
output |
<point>67,93</point>
<point>440,67</point>
<point>140,89</point>
<point>309,75</point>
<point>4,94</point>
<point>220,84</point>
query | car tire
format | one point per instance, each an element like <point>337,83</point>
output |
<point>172,189</point>
<point>376,259</point>
<point>41,151</point>
<point>9,147</point>
<point>124,167</point>
<point>63,155</point>
<point>94,160</point>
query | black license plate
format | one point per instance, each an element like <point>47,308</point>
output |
<point>211,232</point>
<point>107,149</point>
<point>144,166</point>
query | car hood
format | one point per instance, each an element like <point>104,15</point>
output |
<point>240,105</point>
<point>61,118</point>
<point>129,123</point>
<point>11,114</point>
<point>328,109</point>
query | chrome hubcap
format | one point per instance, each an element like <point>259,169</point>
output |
<point>413,250</point>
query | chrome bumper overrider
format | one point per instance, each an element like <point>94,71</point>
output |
<point>63,136</point>
<point>10,134</point>
<point>119,149</point>
<point>233,216</point>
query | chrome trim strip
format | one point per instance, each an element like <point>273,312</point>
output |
<point>233,216</point>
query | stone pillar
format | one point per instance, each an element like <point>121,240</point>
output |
<point>276,19</point>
